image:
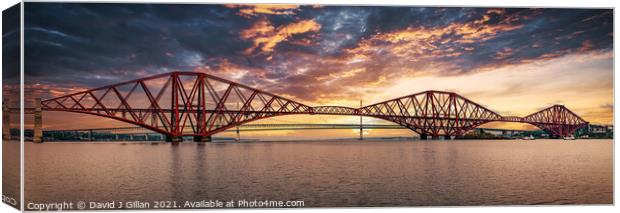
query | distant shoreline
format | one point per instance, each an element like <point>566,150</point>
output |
<point>227,141</point>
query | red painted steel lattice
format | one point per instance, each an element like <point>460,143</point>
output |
<point>198,104</point>
<point>557,119</point>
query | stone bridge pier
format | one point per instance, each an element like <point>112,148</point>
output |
<point>37,134</point>
<point>37,112</point>
<point>424,136</point>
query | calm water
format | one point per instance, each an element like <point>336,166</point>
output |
<point>10,172</point>
<point>326,174</point>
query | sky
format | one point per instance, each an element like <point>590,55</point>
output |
<point>514,61</point>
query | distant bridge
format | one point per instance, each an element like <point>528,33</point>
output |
<point>267,127</point>
<point>140,133</point>
<point>197,104</point>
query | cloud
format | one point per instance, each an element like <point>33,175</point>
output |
<point>317,55</point>
<point>251,10</point>
<point>437,44</point>
<point>265,36</point>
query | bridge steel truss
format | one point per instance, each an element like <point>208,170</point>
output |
<point>198,104</point>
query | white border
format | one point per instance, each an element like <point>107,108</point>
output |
<point>21,107</point>
<point>479,3</point>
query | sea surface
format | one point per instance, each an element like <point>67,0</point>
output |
<point>10,173</point>
<point>324,173</point>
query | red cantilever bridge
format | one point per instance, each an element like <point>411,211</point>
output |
<point>197,104</point>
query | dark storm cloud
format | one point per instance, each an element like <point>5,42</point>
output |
<point>555,33</point>
<point>10,44</point>
<point>302,48</point>
<point>118,40</point>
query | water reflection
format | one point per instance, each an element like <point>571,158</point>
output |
<point>349,173</point>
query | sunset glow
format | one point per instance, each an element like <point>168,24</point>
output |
<point>513,61</point>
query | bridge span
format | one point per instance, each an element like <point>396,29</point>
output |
<point>142,134</point>
<point>197,104</point>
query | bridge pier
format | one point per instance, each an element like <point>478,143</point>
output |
<point>37,136</point>
<point>423,136</point>
<point>6,120</point>
<point>447,137</point>
<point>201,139</point>
<point>435,137</point>
<point>174,139</point>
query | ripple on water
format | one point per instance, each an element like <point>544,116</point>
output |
<point>327,174</point>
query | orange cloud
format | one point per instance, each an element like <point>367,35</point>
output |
<point>266,37</point>
<point>260,28</point>
<point>426,38</point>
<point>49,91</point>
<point>480,32</point>
<point>233,71</point>
<point>477,30</point>
<point>426,45</point>
<point>268,9</point>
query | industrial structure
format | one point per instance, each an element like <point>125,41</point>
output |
<point>197,104</point>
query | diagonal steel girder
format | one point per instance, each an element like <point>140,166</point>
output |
<point>199,104</point>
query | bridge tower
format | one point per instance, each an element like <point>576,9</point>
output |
<point>200,108</point>
<point>361,123</point>
<point>37,136</point>
<point>174,111</point>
